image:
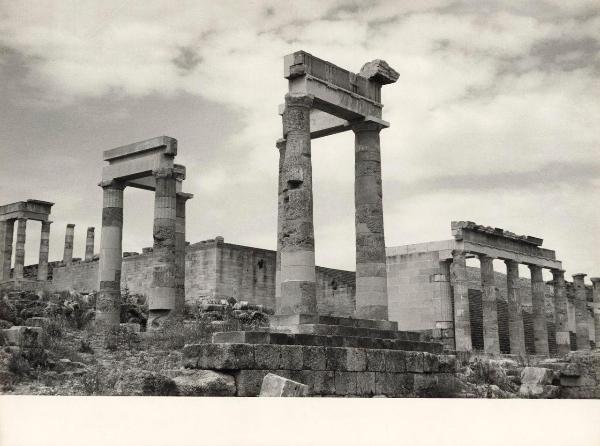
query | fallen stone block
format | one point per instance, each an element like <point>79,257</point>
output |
<point>278,386</point>
<point>536,376</point>
<point>205,383</point>
<point>21,336</point>
<point>539,391</point>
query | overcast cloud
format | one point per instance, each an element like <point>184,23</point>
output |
<point>494,119</point>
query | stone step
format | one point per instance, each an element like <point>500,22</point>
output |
<point>296,319</point>
<point>271,337</point>
<point>344,330</point>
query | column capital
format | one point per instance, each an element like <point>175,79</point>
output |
<point>369,124</point>
<point>294,100</point>
<point>459,253</point>
<point>534,267</point>
<point>165,172</point>
<point>70,225</point>
<point>484,256</point>
<point>20,219</point>
<point>184,196</point>
<point>579,276</point>
<point>112,184</point>
<point>595,280</point>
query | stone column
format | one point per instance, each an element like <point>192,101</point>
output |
<point>298,278</point>
<point>561,317</point>
<point>42,273</point>
<point>515,315</point>
<point>596,308</point>
<point>7,229</point>
<point>89,245</point>
<point>280,216</point>
<point>460,289</point>
<point>446,317</point>
<point>180,252</point>
<point>162,302</point>
<point>69,236</point>
<point>371,277</point>
<point>20,248</point>
<point>108,302</point>
<point>491,341</point>
<point>540,329</point>
<point>581,323</point>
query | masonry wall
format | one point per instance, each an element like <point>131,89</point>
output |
<point>79,276</point>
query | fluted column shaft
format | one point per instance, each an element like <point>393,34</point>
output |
<point>371,276</point>
<point>298,277</point>
<point>68,252</point>
<point>581,319</point>
<point>491,342</point>
<point>42,273</point>
<point>280,217</point>
<point>460,288</point>
<point>89,244</point>
<point>7,229</point>
<point>515,314</point>
<point>540,328</point>
<point>180,253</point>
<point>162,301</point>
<point>446,317</point>
<point>561,317</point>
<point>108,303</point>
<point>596,308</point>
<point>20,248</point>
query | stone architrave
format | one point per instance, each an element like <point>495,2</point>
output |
<point>162,304</point>
<point>68,252</point>
<point>515,315</point>
<point>89,245</point>
<point>20,248</point>
<point>561,317</point>
<point>7,229</point>
<point>460,289</point>
<point>596,308</point>
<point>581,320</point>
<point>540,328</point>
<point>108,301</point>
<point>280,216</point>
<point>371,277</point>
<point>42,273</point>
<point>298,277</point>
<point>491,341</point>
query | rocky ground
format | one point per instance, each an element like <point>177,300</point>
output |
<point>65,357</point>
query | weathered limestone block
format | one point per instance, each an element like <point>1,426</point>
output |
<point>278,386</point>
<point>314,358</point>
<point>447,363</point>
<point>376,360</point>
<point>205,383</point>
<point>270,356</point>
<point>379,71</point>
<point>395,361</point>
<point>415,362</point>
<point>219,356</point>
<point>536,382</point>
<point>394,384</point>
<point>21,336</point>
<point>346,359</point>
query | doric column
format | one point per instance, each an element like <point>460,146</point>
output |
<point>460,289</point>
<point>515,316</point>
<point>581,320</point>
<point>180,252</point>
<point>371,277</point>
<point>491,342</point>
<point>89,244</point>
<point>42,273</point>
<point>108,302</point>
<point>540,329</point>
<point>69,236</point>
<point>298,278</point>
<point>162,301</point>
<point>20,248</point>
<point>596,308</point>
<point>446,317</point>
<point>7,229</point>
<point>280,217</point>
<point>561,317</point>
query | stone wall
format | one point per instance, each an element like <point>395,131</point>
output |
<point>78,276</point>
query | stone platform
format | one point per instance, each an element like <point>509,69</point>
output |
<point>333,356</point>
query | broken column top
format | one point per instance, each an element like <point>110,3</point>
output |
<point>379,71</point>
<point>30,209</point>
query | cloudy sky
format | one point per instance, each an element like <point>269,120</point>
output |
<point>495,117</point>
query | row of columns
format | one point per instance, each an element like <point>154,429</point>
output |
<point>166,298</point>
<point>461,316</point>
<point>295,272</point>
<point>6,242</point>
